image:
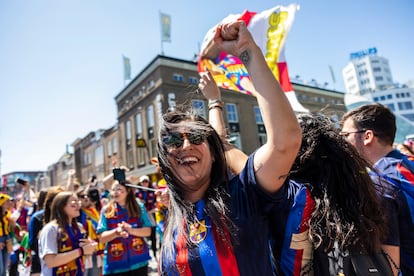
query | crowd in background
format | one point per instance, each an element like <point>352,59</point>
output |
<point>58,231</point>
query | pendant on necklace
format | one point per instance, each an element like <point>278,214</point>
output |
<point>198,231</point>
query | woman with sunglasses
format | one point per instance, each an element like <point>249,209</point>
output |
<point>62,244</point>
<point>123,225</point>
<point>218,226</point>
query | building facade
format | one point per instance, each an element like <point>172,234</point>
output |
<point>369,75</point>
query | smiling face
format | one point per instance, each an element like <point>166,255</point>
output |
<point>188,157</point>
<point>72,207</point>
<point>119,193</point>
<point>191,164</point>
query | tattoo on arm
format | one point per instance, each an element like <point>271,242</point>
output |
<point>259,166</point>
<point>244,57</point>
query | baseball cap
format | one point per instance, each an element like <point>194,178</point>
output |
<point>144,178</point>
<point>4,198</point>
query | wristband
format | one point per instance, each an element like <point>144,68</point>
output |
<point>211,102</point>
<point>80,251</point>
<point>216,105</point>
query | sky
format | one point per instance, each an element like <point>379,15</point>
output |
<point>61,61</point>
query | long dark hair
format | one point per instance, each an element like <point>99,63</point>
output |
<point>216,196</point>
<point>347,203</point>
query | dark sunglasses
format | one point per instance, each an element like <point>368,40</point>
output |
<point>176,139</point>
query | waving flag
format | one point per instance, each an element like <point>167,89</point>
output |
<point>269,29</point>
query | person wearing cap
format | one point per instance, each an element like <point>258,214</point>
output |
<point>5,240</point>
<point>148,198</point>
<point>123,226</point>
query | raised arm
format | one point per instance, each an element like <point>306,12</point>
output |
<point>70,181</point>
<point>274,159</point>
<point>236,159</point>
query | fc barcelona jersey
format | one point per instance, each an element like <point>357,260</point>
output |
<point>291,247</point>
<point>398,170</point>
<point>250,255</point>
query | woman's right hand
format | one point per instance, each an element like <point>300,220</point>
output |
<point>89,247</point>
<point>208,86</point>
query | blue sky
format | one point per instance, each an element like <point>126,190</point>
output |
<point>61,61</point>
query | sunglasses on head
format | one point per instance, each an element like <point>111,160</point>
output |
<point>176,139</point>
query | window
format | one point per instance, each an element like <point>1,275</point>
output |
<point>405,105</point>
<point>409,117</point>
<point>258,115</point>
<point>150,121</point>
<point>192,80</point>
<point>376,69</point>
<point>128,134</point>
<point>375,99</point>
<point>99,159</point>
<point>150,116</point>
<point>389,96</point>
<point>138,125</point>
<point>114,146</point>
<point>178,77</point>
<point>391,106</point>
<point>231,113</point>
<point>109,148</point>
<point>199,107</point>
<point>382,98</point>
<point>140,152</point>
<point>128,144</point>
<point>151,135</point>
<point>379,78</point>
<point>87,158</point>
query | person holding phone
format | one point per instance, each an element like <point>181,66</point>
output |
<point>123,225</point>
<point>62,246</point>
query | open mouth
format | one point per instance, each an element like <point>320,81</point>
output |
<point>186,161</point>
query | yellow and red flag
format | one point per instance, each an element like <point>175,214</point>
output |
<point>269,29</point>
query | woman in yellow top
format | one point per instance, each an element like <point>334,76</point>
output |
<point>5,239</point>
